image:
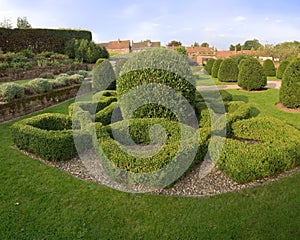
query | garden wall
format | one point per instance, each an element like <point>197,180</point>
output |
<point>20,74</point>
<point>30,104</point>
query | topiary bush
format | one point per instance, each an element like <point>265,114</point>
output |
<point>76,79</point>
<point>83,73</point>
<point>150,75</point>
<point>49,136</point>
<point>104,115</point>
<point>282,67</point>
<point>228,71</point>
<point>103,76</point>
<point>119,66</point>
<point>209,65</point>
<point>269,68</point>
<point>251,75</point>
<point>10,91</point>
<point>47,75</point>
<point>261,147</point>
<point>289,94</point>
<point>40,85</point>
<point>216,67</point>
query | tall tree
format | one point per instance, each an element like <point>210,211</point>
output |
<point>174,43</point>
<point>231,47</point>
<point>238,47</point>
<point>22,23</point>
<point>251,44</point>
<point>196,44</point>
<point>6,23</point>
<point>204,44</point>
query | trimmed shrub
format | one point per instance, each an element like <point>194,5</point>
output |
<point>209,65</point>
<point>289,94</point>
<point>261,147</point>
<point>269,68</point>
<point>40,85</point>
<point>103,76</point>
<point>47,75</point>
<point>83,73</point>
<point>49,136</point>
<point>10,91</point>
<point>228,71</point>
<point>281,69</point>
<point>106,93</point>
<point>150,73</point>
<point>60,82</point>
<point>104,115</point>
<point>119,66</point>
<point>216,67</point>
<point>75,79</point>
<point>251,75</point>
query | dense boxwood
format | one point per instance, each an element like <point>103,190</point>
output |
<point>269,68</point>
<point>251,75</point>
<point>49,136</point>
<point>228,71</point>
<point>119,65</point>
<point>209,65</point>
<point>104,116</point>
<point>216,67</point>
<point>10,91</point>
<point>282,67</point>
<point>261,147</point>
<point>150,74</point>
<point>39,85</point>
<point>289,94</point>
<point>103,75</point>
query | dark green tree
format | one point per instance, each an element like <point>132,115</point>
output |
<point>209,65</point>
<point>251,44</point>
<point>282,67</point>
<point>204,44</point>
<point>216,67</point>
<point>181,49</point>
<point>174,43</point>
<point>228,71</point>
<point>269,68</point>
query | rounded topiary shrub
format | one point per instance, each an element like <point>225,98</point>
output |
<point>282,67</point>
<point>10,91</point>
<point>228,71</point>
<point>40,85</point>
<point>119,65</point>
<point>251,75</point>
<point>216,67</point>
<point>269,68</point>
<point>209,65</point>
<point>289,94</point>
<point>261,147</point>
<point>103,75</point>
<point>148,77</point>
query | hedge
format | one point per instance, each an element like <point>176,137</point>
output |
<point>103,76</point>
<point>228,71</point>
<point>216,67</point>
<point>269,68</point>
<point>261,147</point>
<point>39,40</point>
<point>282,67</point>
<point>10,91</point>
<point>119,65</point>
<point>152,74</point>
<point>251,75</point>
<point>209,65</point>
<point>289,93</point>
<point>104,115</point>
<point>49,136</point>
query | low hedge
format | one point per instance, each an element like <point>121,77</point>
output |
<point>104,115</point>
<point>49,136</point>
<point>261,147</point>
<point>10,91</point>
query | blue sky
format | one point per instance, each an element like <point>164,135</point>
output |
<point>220,23</point>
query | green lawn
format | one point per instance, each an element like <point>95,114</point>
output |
<point>41,202</point>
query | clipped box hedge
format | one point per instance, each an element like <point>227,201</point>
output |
<point>49,136</point>
<point>261,147</point>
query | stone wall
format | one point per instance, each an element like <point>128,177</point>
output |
<point>30,104</point>
<point>21,74</point>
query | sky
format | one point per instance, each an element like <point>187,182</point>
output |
<point>218,22</point>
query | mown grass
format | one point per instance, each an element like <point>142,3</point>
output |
<point>42,202</point>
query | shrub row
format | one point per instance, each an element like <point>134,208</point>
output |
<point>228,71</point>
<point>282,67</point>
<point>49,136</point>
<point>261,147</point>
<point>10,91</point>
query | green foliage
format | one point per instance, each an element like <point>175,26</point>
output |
<point>269,68</point>
<point>83,73</point>
<point>119,66</point>
<point>289,94</point>
<point>174,43</point>
<point>149,69</point>
<point>251,45</point>
<point>22,23</point>
<point>76,79</point>
<point>104,115</point>
<point>261,147</point>
<point>60,81</point>
<point>181,49</point>
<point>10,91</point>
<point>40,85</point>
<point>47,75</point>
<point>239,57</point>
<point>49,136</point>
<point>251,75</point>
<point>281,69</point>
<point>104,76</point>
<point>228,71</point>
<point>209,65</point>
<point>216,67</point>
<point>15,40</point>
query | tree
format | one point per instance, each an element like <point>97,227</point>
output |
<point>251,75</point>
<point>269,68</point>
<point>182,50</point>
<point>282,67</point>
<point>6,23</point>
<point>204,44</point>
<point>216,67</point>
<point>196,44</point>
<point>289,93</point>
<point>22,23</point>
<point>228,71</point>
<point>231,47</point>
<point>251,45</point>
<point>238,47</point>
<point>174,43</point>
<point>209,65</point>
